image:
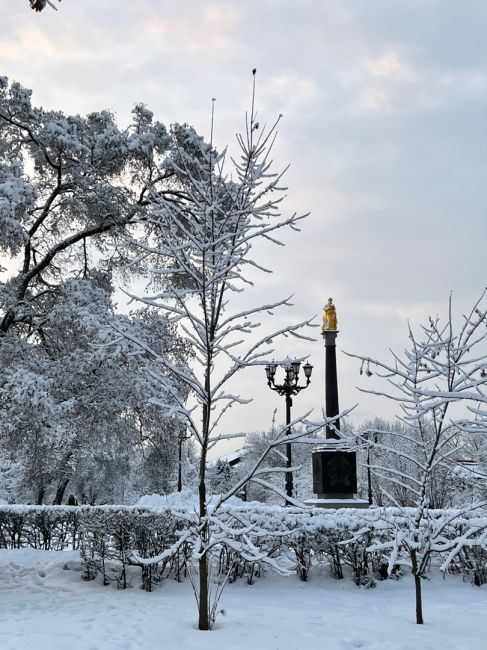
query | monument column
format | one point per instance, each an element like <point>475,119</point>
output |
<point>331,381</point>
<point>329,331</point>
<point>334,463</point>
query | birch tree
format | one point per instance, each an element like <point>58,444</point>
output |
<point>440,387</point>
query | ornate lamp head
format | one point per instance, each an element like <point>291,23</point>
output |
<point>296,366</point>
<point>308,369</point>
<point>270,371</point>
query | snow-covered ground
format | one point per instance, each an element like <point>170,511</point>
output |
<point>45,606</point>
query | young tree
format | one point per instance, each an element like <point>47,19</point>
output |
<point>394,435</point>
<point>208,239</point>
<point>440,387</point>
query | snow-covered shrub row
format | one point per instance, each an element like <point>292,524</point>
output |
<point>44,527</point>
<point>112,538</point>
<point>369,541</point>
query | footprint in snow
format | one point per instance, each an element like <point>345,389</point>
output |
<point>38,580</point>
<point>351,644</point>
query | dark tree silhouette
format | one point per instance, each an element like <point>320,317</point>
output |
<point>39,5</point>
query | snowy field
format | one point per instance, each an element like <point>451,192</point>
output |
<point>45,606</point>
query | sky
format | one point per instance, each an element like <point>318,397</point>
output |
<point>384,126</point>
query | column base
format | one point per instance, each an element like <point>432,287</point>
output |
<point>335,503</point>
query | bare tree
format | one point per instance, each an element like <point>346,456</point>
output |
<point>440,387</point>
<point>207,242</point>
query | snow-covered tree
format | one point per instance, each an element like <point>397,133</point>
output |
<point>386,435</point>
<point>256,442</point>
<point>221,479</point>
<point>74,412</point>
<point>70,188</point>
<point>471,474</point>
<point>440,387</point>
<point>208,238</point>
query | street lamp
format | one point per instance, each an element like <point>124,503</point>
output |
<point>288,388</point>
<point>365,435</point>
<point>183,435</point>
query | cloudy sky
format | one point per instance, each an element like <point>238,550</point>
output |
<point>385,127</point>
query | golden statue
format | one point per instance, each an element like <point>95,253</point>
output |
<point>329,317</point>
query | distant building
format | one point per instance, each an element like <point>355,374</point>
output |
<point>470,471</point>
<point>233,458</point>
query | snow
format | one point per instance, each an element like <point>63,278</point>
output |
<point>323,503</point>
<point>185,500</point>
<point>229,458</point>
<point>469,471</point>
<point>45,605</point>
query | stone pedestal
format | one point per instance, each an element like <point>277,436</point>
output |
<point>335,477</point>
<point>334,473</point>
<point>336,504</point>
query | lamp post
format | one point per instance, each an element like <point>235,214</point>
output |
<point>366,435</point>
<point>288,388</point>
<point>181,438</point>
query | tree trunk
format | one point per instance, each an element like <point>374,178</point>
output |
<point>417,589</point>
<point>40,496</point>
<point>63,471</point>
<point>61,489</point>
<point>180,462</point>
<point>204,615</point>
